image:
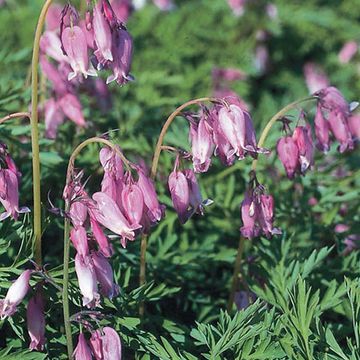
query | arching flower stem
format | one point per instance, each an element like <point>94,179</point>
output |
<point>263,136</point>
<point>65,292</point>
<point>159,147</point>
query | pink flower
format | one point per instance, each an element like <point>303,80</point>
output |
<point>54,117</point>
<point>75,46</point>
<point>16,293</point>
<point>104,275</point>
<point>53,16</point>
<point>122,47</point>
<point>109,215</point>
<point>102,35</point>
<point>348,51</point>
<point>237,6</point>
<point>122,9</point>
<point>132,202</point>
<point>354,126</point>
<point>322,130</point>
<point>50,45</point>
<point>82,350</point>
<point>303,139</point>
<point>315,77</point>
<point>106,344</point>
<point>59,85</point>
<point>9,195</point>
<point>250,229</point>
<point>201,144</point>
<point>101,239</point>
<point>227,74</point>
<point>179,190</point>
<point>71,107</point>
<point>86,275</point>
<point>79,239</point>
<point>78,213</point>
<point>341,131</point>
<point>288,153</point>
<point>36,321</point>
<point>266,215</point>
<point>153,209</point>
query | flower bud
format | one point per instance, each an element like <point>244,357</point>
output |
<point>288,153</point>
<point>82,350</point>
<point>36,321</point>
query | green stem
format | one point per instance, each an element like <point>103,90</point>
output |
<point>65,293</point>
<point>159,147</point>
<point>236,273</point>
<point>35,133</point>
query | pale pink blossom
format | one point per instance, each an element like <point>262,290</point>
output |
<point>348,51</point>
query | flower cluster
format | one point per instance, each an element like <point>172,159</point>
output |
<point>103,344</point>
<point>65,60</point>
<point>125,206</point>
<point>9,186</point>
<point>35,309</point>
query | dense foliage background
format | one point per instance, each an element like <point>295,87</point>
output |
<point>308,292</point>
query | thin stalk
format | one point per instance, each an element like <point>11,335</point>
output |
<point>236,273</point>
<point>35,133</point>
<point>263,136</point>
<point>65,293</point>
<point>14,116</point>
<point>159,147</point>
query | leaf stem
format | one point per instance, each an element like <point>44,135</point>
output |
<point>35,134</point>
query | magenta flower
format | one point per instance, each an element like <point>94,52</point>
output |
<point>315,77</point>
<point>288,153</point>
<point>104,275</point>
<point>237,6</point>
<point>102,36</point>
<point>50,45</point>
<point>257,213</point>
<point>354,126</point>
<point>179,191</point>
<point>132,202</point>
<point>122,47</point>
<point>249,215</point>
<point>322,130</point>
<point>348,51</point>
<point>79,239</point>
<point>9,195</point>
<point>106,344</point>
<point>154,211</point>
<point>303,139</point>
<point>72,108</point>
<point>36,321</point>
<point>59,85</point>
<point>53,16</point>
<point>109,215</point>
<point>122,9</point>
<point>78,213</point>
<point>15,295</point>
<point>336,111</point>
<point>82,350</point>
<point>104,246</point>
<point>201,144</point>
<point>75,46</point>
<point>86,275</point>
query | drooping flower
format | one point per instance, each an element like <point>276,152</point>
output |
<point>153,209</point>
<point>122,47</point>
<point>322,131</point>
<point>16,293</point>
<point>72,108</point>
<point>82,350</point>
<point>348,51</point>
<point>78,213</point>
<point>315,77</point>
<point>109,215</point>
<point>102,36</point>
<point>237,6</point>
<point>303,138</point>
<point>122,9</point>
<point>104,246</point>
<point>86,275</point>
<point>288,153</point>
<point>336,112</point>
<point>179,191</point>
<point>104,275</point>
<point>36,321</point>
<point>106,344</point>
<point>354,126</point>
<point>257,212</point>
<point>79,239</point>
<point>75,46</point>
<point>202,144</point>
